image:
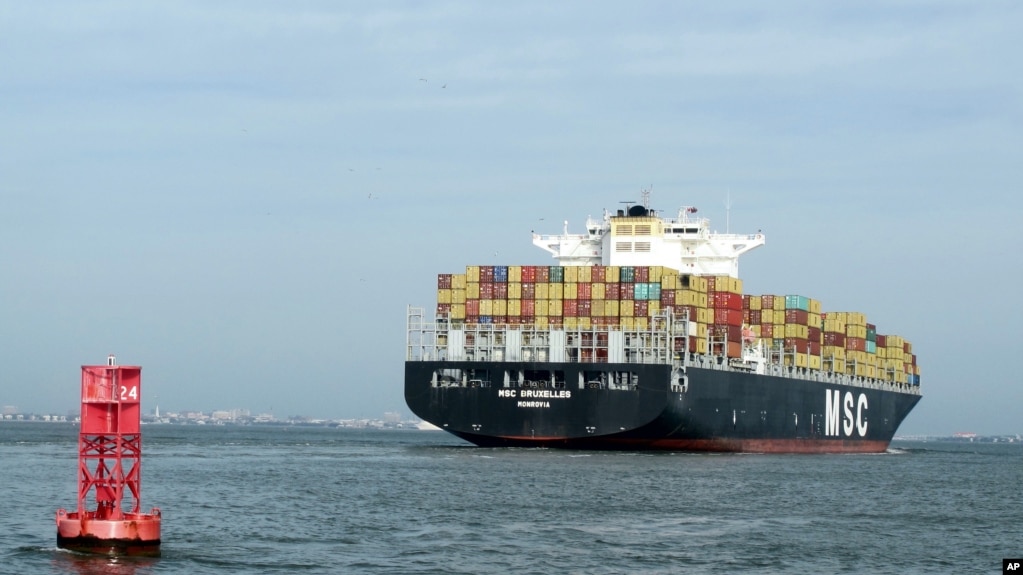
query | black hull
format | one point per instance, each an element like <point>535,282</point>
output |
<point>723,411</point>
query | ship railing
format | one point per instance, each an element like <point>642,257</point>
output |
<point>429,341</point>
<point>717,362</point>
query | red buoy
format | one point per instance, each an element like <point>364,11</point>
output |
<point>110,468</point>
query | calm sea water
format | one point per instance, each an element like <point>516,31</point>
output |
<point>316,500</point>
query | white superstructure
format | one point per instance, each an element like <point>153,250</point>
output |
<point>638,236</point>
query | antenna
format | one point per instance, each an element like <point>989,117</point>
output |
<point>728,211</point>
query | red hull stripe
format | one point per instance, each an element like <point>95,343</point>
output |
<point>718,445</point>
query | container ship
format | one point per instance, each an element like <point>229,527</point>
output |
<point>640,337</point>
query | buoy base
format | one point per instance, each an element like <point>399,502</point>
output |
<point>136,534</point>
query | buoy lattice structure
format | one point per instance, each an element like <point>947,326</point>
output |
<point>110,468</point>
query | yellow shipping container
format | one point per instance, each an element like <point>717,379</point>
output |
<point>628,323</point>
<point>458,281</point>
<point>815,307</point>
<point>556,291</point>
<point>458,296</point>
<point>472,273</point>
<point>701,346</point>
<point>641,322</point>
<point>814,320</point>
<point>705,315</point>
<point>626,308</point>
<point>571,291</point>
<point>690,297</point>
<point>571,274</point>
<point>554,307</point>
<point>541,307</point>
<point>542,290</point>
<point>612,274</point>
<point>514,290</point>
<point>653,308</point>
<point>486,307</point>
<point>834,325</point>
<point>669,281</point>
<point>834,365</point>
<point>611,308</point>
<point>585,274</point>
<point>656,273</point>
<point>500,307</point>
<point>756,304</point>
<point>814,362</point>
<point>514,274</point>
<point>585,323</point>
<point>856,330</point>
<point>797,359</point>
<point>472,290</point>
<point>542,322</point>
<point>443,295</point>
<point>514,308</point>
<point>796,330</point>
<point>571,323</point>
<point>458,311</point>
<point>597,291</point>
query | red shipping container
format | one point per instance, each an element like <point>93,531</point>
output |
<point>728,316</point>
<point>543,274</point>
<point>569,308</point>
<point>882,340</point>
<point>443,308</point>
<point>801,345</point>
<point>834,339</point>
<point>813,334</point>
<point>767,302</point>
<point>444,281</point>
<point>642,274</point>
<point>815,348</point>
<point>746,301</point>
<point>767,330</point>
<point>667,298</point>
<point>726,300</point>
<point>486,290</point>
<point>486,274</point>
<point>528,291</point>
<point>500,291</point>
<point>627,290</point>
<point>612,291</point>
<point>528,274</point>
<point>797,316</point>
<point>585,307</point>
<point>584,291</point>
<point>753,316</point>
<point>711,283</point>
<point>472,307</point>
<point>642,308</point>
<point>729,332</point>
<point>856,344</point>
<point>598,274</point>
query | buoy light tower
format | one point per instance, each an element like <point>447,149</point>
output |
<point>110,468</point>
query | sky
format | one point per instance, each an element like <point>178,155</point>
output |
<point>244,197</point>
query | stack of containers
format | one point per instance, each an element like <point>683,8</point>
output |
<point>802,331</point>
<point>686,296</point>
<point>724,296</point>
<point>626,297</point>
<point>833,340</point>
